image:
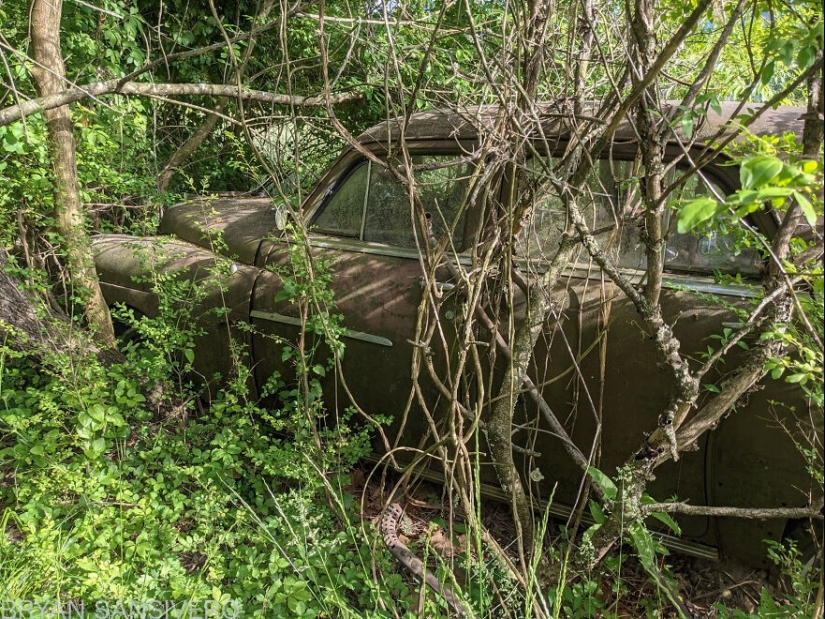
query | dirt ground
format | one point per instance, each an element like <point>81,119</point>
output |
<point>702,585</point>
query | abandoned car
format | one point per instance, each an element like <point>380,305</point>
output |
<point>594,365</point>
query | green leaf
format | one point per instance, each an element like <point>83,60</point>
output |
<point>771,193</point>
<point>667,520</point>
<point>97,413</point>
<point>86,564</point>
<point>785,51</point>
<point>687,126</point>
<point>662,517</point>
<point>767,72</point>
<point>287,293</point>
<point>805,57</point>
<point>644,545</point>
<point>696,212</point>
<point>590,532</point>
<point>96,448</point>
<point>597,512</point>
<point>767,603</point>
<point>756,172</point>
<point>604,482</point>
<point>189,354</point>
<point>743,197</point>
<point>807,208</point>
<point>712,101</point>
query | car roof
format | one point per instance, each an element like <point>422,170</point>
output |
<point>468,123</point>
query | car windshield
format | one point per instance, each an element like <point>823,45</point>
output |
<point>611,204</point>
<point>370,204</point>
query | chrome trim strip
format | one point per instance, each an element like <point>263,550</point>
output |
<point>366,200</point>
<point>444,286</point>
<point>368,337</point>
<point>286,320</point>
<point>696,284</point>
<point>672,281</point>
<point>297,322</point>
<point>365,247</point>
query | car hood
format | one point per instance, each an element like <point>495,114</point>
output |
<point>229,224</point>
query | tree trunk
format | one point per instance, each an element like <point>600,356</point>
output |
<point>186,149</point>
<point>49,74</point>
<point>24,328</point>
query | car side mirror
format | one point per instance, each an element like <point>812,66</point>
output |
<point>282,215</point>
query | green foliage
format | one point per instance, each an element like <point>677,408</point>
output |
<point>800,588</point>
<point>113,503</point>
<point>647,546</point>
<point>774,177</point>
<point>114,139</point>
<point>163,516</point>
<point>580,600</point>
<point>165,345</point>
<point>611,491</point>
<point>791,45</point>
<point>766,180</point>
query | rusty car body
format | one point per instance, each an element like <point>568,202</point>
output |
<point>359,221</point>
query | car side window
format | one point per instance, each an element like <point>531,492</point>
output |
<point>344,211</point>
<point>387,218</point>
<point>370,204</point>
<point>707,251</point>
<point>608,208</point>
<point>611,204</point>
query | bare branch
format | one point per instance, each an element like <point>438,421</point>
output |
<point>748,513</point>
<point>16,112</point>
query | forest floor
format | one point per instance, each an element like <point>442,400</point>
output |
<point>707,589</point>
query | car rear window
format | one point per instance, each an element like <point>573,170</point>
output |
<point>612,205</point>
<point>370,204</point>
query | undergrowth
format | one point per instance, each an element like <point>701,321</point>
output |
<point>102,501</point>
<point>117,503</point>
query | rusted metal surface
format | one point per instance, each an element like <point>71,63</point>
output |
<point>468,123</point>
<point>131,271</point>
<point>232,226</point>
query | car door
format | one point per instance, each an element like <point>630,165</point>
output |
<point>597,364</point>
<point>601,373</point>
<point>364,234</point>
